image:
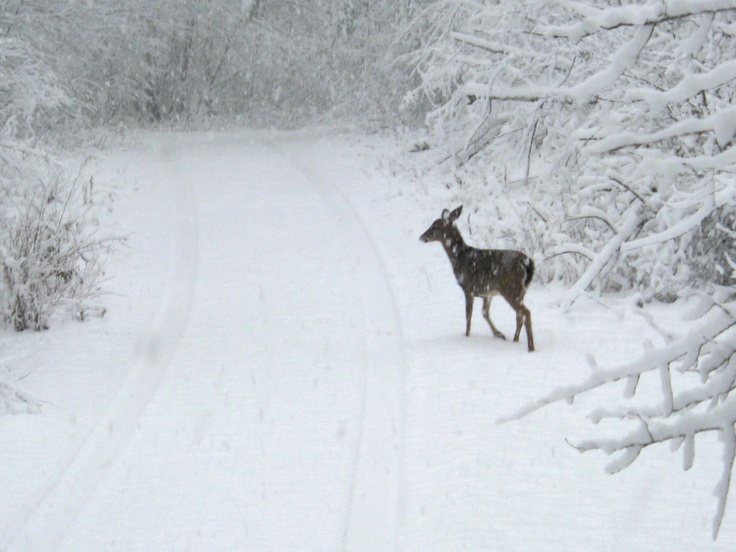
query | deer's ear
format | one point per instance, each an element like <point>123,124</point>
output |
<point>455,214</point>
<point>445,215</point>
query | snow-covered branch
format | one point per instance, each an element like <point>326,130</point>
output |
<point>712,325</point>
<point>681,415</point>
<point>686,224</point>
<point>597,20</point>
<point>483,43</point>
<point>582,92</point>
<point>509,94</point>
<point>623,60</point>
<point>631,223</point>
<point>689,86</point>
<point>722,124</point>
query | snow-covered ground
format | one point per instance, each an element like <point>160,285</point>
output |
<point>283,366</point>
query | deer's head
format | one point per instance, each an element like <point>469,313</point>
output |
<point>441,227</point>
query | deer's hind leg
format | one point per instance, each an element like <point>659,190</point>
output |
<point>524,317</point>
<point>528,328</point>
<point>487,316</point>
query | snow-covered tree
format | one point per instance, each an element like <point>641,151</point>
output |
<point>622,119</point>
<point>183,60</point>
<point>621,113</point>
<point>186,61</point>
<point>27,86</point>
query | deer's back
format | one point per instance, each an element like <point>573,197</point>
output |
<point>489,271</point>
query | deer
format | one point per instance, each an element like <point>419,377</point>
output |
<point>485,273</point>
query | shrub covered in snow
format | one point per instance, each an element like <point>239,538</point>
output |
<point>52,260</point>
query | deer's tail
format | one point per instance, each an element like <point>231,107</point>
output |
<point>529,267</point>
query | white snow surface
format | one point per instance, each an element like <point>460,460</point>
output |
<point>283,366</point>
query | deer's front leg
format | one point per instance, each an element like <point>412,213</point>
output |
<point>468,311</point>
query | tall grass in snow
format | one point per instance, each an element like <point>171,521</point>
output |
<point>52,256</point>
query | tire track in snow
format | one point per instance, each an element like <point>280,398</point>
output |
<point>376,501</point>
<point>41,525</point>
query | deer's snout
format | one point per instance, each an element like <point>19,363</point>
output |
<point>431,234</point>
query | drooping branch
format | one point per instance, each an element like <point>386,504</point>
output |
<point>721,197</point>
<point>714,323</point>
<point>682,415</point>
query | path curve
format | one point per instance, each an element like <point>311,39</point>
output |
<point>373,517</point>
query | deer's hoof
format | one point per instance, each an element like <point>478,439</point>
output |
<point>499,335</point>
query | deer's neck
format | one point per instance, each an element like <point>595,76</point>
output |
<point>454,244</point>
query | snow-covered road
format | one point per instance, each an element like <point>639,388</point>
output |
<point>277,419</point>
<point>299,380</point>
